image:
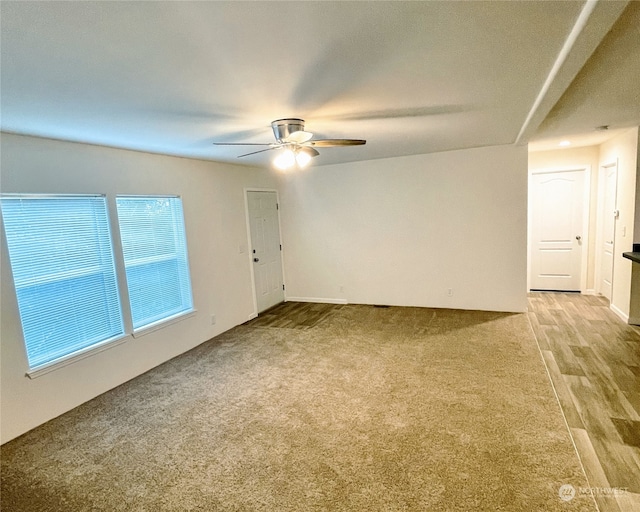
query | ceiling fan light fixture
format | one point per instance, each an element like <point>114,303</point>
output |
<point>299,137</point>
<point>285,160</point>
<point>297,145</point>
<point>303,159</point>
<point>283,128</point>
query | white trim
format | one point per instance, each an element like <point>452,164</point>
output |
<point>20,195</point>
<point>77,356</point>
<point>620,313</point>
<point>159,324</point>
<point>589,291</point>
<point>107,344</point>
<point>597,275</point>
<point>254,313</point>
<point>549,170</point>
<point>118,261</point>
<point>586,210</point>
<point>317,300</point>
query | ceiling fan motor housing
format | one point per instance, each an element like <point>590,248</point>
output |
<point>282,128</point>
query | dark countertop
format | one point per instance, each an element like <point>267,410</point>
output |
<point>635,255</point>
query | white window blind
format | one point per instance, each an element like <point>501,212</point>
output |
<point>63,269</point>
<point>155,256</point>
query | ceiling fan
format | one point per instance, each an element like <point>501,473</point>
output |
<point>298,146</point>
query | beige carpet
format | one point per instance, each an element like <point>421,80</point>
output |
<point>316,408</point>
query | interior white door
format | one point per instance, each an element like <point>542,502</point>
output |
<point>609,181</point>
<point>557,212</point>
<point>265,248</point>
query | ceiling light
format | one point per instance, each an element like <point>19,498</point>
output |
<point>303,158</point>
<point>565,143</point>
<point>285,160</point>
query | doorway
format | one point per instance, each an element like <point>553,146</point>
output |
<point>608,215</point>
<point>266,255</point>
<point>558,210</point>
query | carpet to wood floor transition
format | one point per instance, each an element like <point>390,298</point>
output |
<point>317,408</point>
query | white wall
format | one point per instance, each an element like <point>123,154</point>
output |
<point>574,158</point>
<point>402,231</point>
<point>634,307</point>
<point>624,148</point>
<point>636,236</point>
<point>213,201</point>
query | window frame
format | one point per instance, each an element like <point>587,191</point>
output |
<point>155,325</point>
<point>121,284</point>
<point>35,370</point>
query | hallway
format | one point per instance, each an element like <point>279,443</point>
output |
<point>593,359</point>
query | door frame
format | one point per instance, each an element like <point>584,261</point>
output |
<point>586,209</point>
<point>254,313</point>
<point>597,276</point>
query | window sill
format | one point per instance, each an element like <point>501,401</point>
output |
<point>147,329</point>
<point>107,344</point>
<point>77,356</point>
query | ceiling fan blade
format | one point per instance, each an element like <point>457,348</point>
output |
<point>259,151</point>
<point>242,144</point>
<point>309,151</point>
<point>298,137</point>
<point>329,143</point>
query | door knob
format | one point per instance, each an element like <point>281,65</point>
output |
<point>578,238</point>
<point>256,260</point>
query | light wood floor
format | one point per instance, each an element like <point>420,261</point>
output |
<point>294,315</point>
<point>593,359</point>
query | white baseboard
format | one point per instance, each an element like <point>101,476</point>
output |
<point>317,300</point>
<point>620,313</point>
<point>590,291</point>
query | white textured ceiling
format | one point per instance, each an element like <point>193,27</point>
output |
<point>410,77</point>
<point>606,91</point>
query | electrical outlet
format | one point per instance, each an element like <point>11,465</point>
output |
<point>450,292</point>
<point>213,319</point>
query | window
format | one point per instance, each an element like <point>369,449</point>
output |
<point>61,255</point>
<point>63,269</point>
<point>155,257</point>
